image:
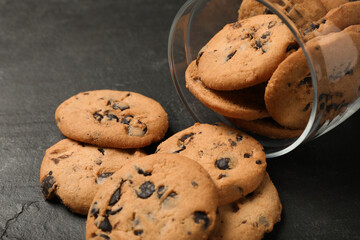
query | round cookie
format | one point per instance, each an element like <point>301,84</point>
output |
<point>244,53</point>
<point>300,12</point>
<point>330,4</point>
<point>247,103</point>
<point>335,20</point>
<point>250,217</point>
<point>289,93</point>
<point>111,118</point>
<point>235,161</point>
<point>161,196</point>
<point>73,171</point>
<point>266,127</point>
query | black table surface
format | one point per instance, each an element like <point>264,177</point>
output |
<point>53,49</point>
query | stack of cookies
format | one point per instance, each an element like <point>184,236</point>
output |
<point>254,73</point>
<point>205,182</point>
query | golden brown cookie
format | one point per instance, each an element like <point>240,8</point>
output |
<point>250,217</point>
<point>289,93</point>
<point>112,118</point>
<point>330,4</point>
<point>335,20</point>
<point>235,161</point>
<point>266,127</point>
<point>161,196</point>
<point>244,53</point>
<point>247,103</point>
<point>74,171</point>
<point>300,12</point>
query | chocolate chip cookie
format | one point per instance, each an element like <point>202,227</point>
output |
<point>111,118</point>
<point>250,217</point>
<point>161,196</point>
<point>73,171</point>
<point>300,12</point>
<point>330,4</point>
<point>289,93</point>
<point>335,20</point>
<point>235,161</point>
<point>247,103</point>
<point>266,127</point>
<point>244,53</point>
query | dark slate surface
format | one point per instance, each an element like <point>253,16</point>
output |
<point>50,50</point>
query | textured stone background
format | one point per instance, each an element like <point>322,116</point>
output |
<point>50,50</point>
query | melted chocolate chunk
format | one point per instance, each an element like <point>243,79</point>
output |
<point>142,172</point>
<point>292,46</point>
<point>138,232</point>
<point>102,177</point>
<point>271,24</point>
<point>120,106</point>
<point>198,58</point>
<point>94,210</point>
<point>306,80</point>
<point>222,163</point>
<point>307,107</point>
<point>112,117</point>
<point>247,155</point>
<point>265,35</point>
<point>221,176</point>
<point>147,189</point>
<point>322,106</point>
<point>98,116</point>
<point>236,25</point>
<point>186,136</point>
<point>202,217</point>
<point>181,149</point>
<point>259,162</point>
<point>239,137</point>
<point>137,131</point>
<point>230,56</point>
<point>268,11</point>
<point>104,236</point>
<point>161,190</point>
<point>235,208</point>
<point>264,221</point>
<point>127,119</point>
<point>102,151</point>
<point>314,26</point>
<point>109,212</point>
<point>105,225</point>
<point>194,184</point>
<point>232,143</point>
<point>47,187</point>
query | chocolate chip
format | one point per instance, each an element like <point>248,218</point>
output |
<point>201,216</point>
<point>247,155</point>
<point>109,212</point>
<point>181,149</point>
<point>258,162</point>
<point>292,46</point>
<point>172,195</point>
<point>102,177</point>
<point>86,93</point>
<point>142,172</point>
<point>349,72</point>
<point>271,24</point>
<point>222,163</point>
<point>322,106</point>
<point>232,143</point>
<point>221,176</point>
<point>258,44</point>
<point>105,225</point>
<point>98,116</point>
<point>268,11</point>
<point>112,117</point>
<point>120,106</point>
<point>264,221</point>
<point>104,236</point>
<point>186,136</point>
<point>307,107</point>
<point>266,34</point>
<point>160,191</point>
<point>116,195</point>
<point>138,232</point>
<point>314,26</point>
<point>94,210</point>
<point>137,131</point>
<point>47,187</point>
<point>239,137</point>
<point>324,95</point>
<point>194,184</point>
<point>127,119</point>
<point>198,58</point>
<point>235,208</point>
<point>102,151</point>
<point>306,80</point>
<point>230,56</point>
<point>147,189</point>
<point>236,25</point>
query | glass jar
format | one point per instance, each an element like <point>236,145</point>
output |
<point>332,65</point>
